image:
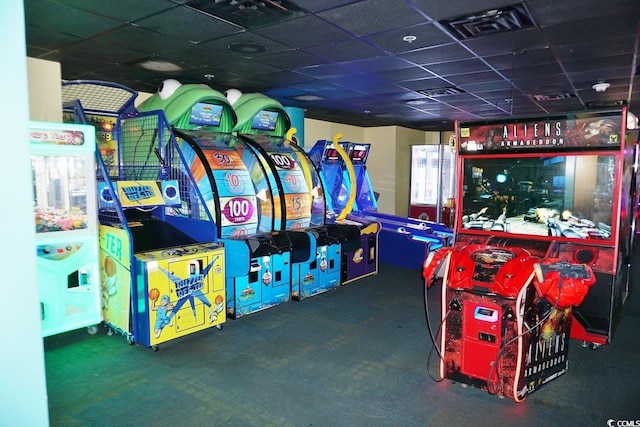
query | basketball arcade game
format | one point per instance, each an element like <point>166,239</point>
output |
<point>63,167</point>
<point>163,272</point>
<point>546,209</point>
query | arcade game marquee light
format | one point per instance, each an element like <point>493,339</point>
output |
<point>543,247</point>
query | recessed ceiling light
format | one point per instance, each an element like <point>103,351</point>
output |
<point>420,101</point>
<point>308,97</point>
<point>601,86</point>
<point>409,38</point>
<point>247,47</point>
<point>159,65</point>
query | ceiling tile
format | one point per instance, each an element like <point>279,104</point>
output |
<point>346,50</point>
<point>426,35</point>
<point>188,24</point>
<point>352,52</point>
<point>373,16</point>
<point>304,32</point>
<point>435,55</point>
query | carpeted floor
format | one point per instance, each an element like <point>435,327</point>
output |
<point>354,356</point>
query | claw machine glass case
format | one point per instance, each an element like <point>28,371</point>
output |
<point>432,183</point>
<point>63,168</point>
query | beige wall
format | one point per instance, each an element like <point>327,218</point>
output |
<point>315,130</point>
<point>381,165</point>
<point>45,94</point>
<point>405,138</point>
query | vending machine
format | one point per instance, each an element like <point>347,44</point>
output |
<point>64,181</point>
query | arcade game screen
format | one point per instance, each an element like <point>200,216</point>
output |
<point>265,120</point>
<point>564,195</point>
<point>205,114</point>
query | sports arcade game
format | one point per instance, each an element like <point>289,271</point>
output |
<point>239,193</point>
<point>560,187</point>
<point>333,173</point>
<point>162,271</point>
<point>339,178</point>
<point>63,168</point>
<point>416,237</point>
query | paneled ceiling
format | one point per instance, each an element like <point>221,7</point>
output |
<point>420,64</point>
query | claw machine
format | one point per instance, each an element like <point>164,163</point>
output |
<point>63,168</point>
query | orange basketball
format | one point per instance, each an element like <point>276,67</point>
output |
<point>154,294</point>
<point>109,266</point>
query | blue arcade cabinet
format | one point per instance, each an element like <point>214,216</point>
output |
<point>416,237</point>
<point>161,267</point>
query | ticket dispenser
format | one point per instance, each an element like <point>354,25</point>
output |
<point>322,272</point>
<point>359,249</point>
<point>505,321</point>
<point>266,281</point>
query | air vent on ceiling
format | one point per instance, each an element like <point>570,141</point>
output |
<point>441,91</point>
<point>249,13</point>
<point>509,18</point>
<point>552,96</point>
<point>596,105</point>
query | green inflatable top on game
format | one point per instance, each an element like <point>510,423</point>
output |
<point>180,103</point>
<point>250,105</point>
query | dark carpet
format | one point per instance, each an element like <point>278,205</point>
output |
<point>354,356</point>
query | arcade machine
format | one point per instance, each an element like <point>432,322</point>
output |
<point>162,269</point>
<point>437,234</point>
<point>433,182</point>
<point>333,173</point>
<point>416,237</point>
<point>559,187</point>
<point>338,176</point>
<point>506,316</point>
<point>265,125</point>
<point>237,188</point>
<point>63,168</point>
